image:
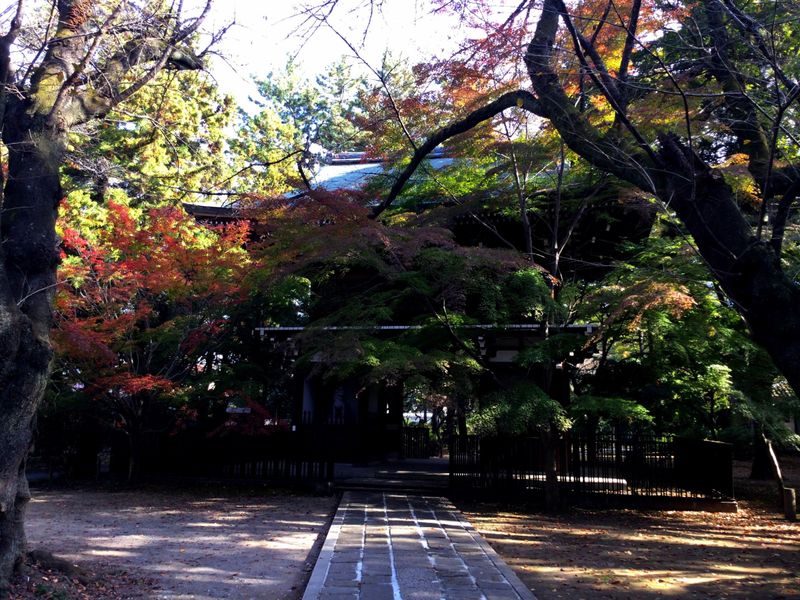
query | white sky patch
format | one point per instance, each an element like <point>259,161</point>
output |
<point>266,35</point>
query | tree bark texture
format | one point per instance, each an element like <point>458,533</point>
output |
<point>75,80</point>
<point>27,284</point>
<point>748,269</point>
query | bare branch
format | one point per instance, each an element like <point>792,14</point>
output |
<point>606,85</point>
<point>766,186</point>
<point>7,41</point>
<point>592,41</point>
<point>383,81</point>
<point>752,28</point>
<point>70,81</point>
<point>193,25</point>
<point>745,125</point>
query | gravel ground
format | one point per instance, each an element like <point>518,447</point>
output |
<point>179,544</point>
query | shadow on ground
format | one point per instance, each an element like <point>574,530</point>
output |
<point>188,545</point>
<point>627,554</point>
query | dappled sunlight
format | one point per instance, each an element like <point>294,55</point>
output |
<point>511,538</point>
<point>115,553</point>
<point>241,516</point>
<point>128,541</point>
<point>214,547</point>
<point>283,542</point>
<point>295,523</point>
<point>749,570</point>
<point>620,554</point>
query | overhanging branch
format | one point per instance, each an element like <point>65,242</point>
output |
<point>609,153</point>
<point>520,98</point>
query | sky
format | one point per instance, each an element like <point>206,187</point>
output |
<point>266,34</point>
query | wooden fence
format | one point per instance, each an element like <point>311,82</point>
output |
<point>592,465</point>
<point>416,442</point>
<point>278,458</point>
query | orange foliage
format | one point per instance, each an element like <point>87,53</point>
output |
<point>648,296</point>
<point>140,284</point>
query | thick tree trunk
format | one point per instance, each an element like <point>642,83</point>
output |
<point>28,260</point>
<point>12,530</point>
<point>34,120</point>
<point>747,269</point>
<point>24,371</point>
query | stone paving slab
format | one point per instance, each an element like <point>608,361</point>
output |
<point>404,547</point>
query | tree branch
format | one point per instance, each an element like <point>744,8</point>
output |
<point>588,49</point>
<point>7,41</point>
<point>592,40</point>
<point>630,40</point>
<point>520,98</point>
<point>159,52</point>
<point>606,85</point>
<point>70,81</point>
<point>751,136</point>
<point>782,216</point>
<point>583,138</point>
<point>750,27</point>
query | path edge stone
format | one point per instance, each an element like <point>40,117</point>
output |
<point>522,590</point>
<point>320,572</point>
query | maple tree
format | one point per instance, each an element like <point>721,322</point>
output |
<point>608,84</point>
<point>345,270</point>
<point>80,60</point>
<point>672,343</point>
<point>598,79</point>
<point>145,299</point>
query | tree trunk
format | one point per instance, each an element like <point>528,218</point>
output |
<point>12,530</point>
<point>461,418</point>
<point>133,458</point>
<point>766,465</point>
<point>27,284</point>
<point>34,119</point>
<point>747,269</point>
<point>24,371</point>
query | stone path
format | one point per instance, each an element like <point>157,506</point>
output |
<point>401,547</point>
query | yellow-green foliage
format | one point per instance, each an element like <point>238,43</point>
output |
<point>737,175</point>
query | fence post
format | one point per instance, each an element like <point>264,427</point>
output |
<point>790,504</point>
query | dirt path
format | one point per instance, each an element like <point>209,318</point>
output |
<point>163,544</point>
<point>620,554</point>
<point>182,545</point>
